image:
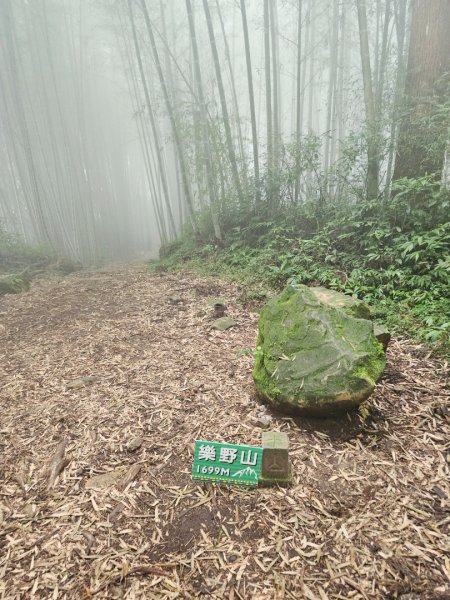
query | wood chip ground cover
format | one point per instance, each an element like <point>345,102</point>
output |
<point>368,514</point>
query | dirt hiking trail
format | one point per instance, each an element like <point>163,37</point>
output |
<point>107,379</point>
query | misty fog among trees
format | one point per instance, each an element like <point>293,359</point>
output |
<point>224,299</point>
<point>123,121</point>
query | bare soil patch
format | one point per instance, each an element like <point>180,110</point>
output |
<point>368,515</point>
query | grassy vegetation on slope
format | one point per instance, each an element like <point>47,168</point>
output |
<point>393,254</point>
<point>15,255</point>
<point>19,263</point>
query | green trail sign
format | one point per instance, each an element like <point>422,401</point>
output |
<point>227,463</point>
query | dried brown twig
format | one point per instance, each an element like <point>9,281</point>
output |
<point>138,570</point>
<point>57,464</point>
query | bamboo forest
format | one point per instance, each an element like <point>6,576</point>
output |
<point>224,299</point>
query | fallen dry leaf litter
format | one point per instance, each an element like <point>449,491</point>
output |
<point>116,374</point>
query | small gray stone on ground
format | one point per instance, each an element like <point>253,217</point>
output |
<point>29,510</point>
<point>80,382</point>
<point>134,444</point>
<point>223,324</point>
<point>105,480</point>
<point>264,421</point>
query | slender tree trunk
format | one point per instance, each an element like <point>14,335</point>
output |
<point>145,143</point>
<point>298,112</point>
<point>10,51</point>
<point>204,124</point>
<point>275,87</point>
<point>340,103</point>
<point>269,118</point>
<point>372,133</point>
<point>233,87</point>
<point>248,61</point>
<point>174,101</point>
<point>384,55</point>
<point>312,53</point>
<point>67,154</point>
<point>311,87</point>
<point>199,146</point>
<point>303,82</point>
<point>58,176</point>
<point>400,28</point>
<point>331,97</point>
<point>178,143</point>
<point>152,123</point>
<point>223,102</point>
<point>17,172</point>
<point>446,165</point>
<point>423,130</point>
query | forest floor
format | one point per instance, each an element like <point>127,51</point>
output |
<point>368,514</point>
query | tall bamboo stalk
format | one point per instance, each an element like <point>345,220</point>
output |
<point>369,102</point>
<point>248,61</point>
<point>170,110</point>
<point>204,124</point>
<point>152,122</point>
<point>223,102</point>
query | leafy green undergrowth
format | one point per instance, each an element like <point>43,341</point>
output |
<point>394,254</point>
<point>16,256</point>
<point>19,263</point>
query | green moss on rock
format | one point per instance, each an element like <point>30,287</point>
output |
<point>317,353</point>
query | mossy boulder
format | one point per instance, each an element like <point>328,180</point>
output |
<point>14,284</point>
<point>316,352</point>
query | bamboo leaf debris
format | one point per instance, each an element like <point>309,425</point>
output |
<point>367,516</point>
